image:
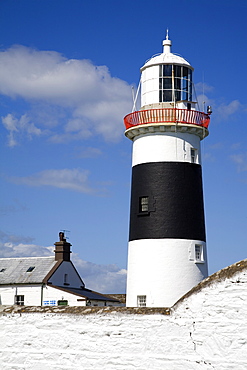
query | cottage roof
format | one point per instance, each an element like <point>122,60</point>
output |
<point>36,270</point>
<point>28,270</point>
<point>86,293</point>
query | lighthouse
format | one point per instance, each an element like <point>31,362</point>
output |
<point>167,241</point>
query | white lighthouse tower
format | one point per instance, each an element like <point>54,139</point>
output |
<point>167,242</point>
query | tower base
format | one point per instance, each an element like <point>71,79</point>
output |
<point>160,271</point>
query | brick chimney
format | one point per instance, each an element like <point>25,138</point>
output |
<point>62,249</point>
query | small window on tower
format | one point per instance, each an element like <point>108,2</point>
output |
<point>193,155</point>
<point>198,253</point>
<point>143,205</point>
<point>141,301</point>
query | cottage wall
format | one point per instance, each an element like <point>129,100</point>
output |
<point>37,295</point>
<point>32,294</point>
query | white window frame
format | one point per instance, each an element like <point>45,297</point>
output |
<point>199,258</point>
<point>19,299</point>
<point>144,204</point>
<point>141,301</point>
<point>193,155</point>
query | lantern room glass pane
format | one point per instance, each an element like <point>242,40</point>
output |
<point>189,74</point>
<point>178,95</point>
<point>160,70</point>
<point>181,82</point>
<point>190,91</point>
<point>185,72</point>
<point>160,96</point>
<point>160,83</point>
<point>184,95</point>
<point>167,70</point>
<point>167,95</point>
<point>167,83</point>
<point>177,71</point>
<point>177,84</point>
<point>184,84</point>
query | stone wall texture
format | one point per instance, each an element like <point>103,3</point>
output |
<point>206,329</point>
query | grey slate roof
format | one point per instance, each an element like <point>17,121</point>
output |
<point>86,293</point>
<point>14,270</point>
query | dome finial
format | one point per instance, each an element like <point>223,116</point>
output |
<point>167,34</point>
<point>167,43</point>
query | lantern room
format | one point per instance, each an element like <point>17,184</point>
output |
<point>166,81</point>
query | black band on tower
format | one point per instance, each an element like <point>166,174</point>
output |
<point>167,201</point>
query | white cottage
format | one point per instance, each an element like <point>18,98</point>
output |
<point>47,281</point>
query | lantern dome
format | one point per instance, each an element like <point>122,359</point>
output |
<point>167,57</point>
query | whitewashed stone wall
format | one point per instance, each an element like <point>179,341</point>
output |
<point>206,330</point>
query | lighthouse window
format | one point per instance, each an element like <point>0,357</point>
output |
<point>177,71</point>
<point>198,253</point>
<point>175,77</point>
<point>193,154</point>
<point>143,205</point>
<point>185,72</point>
<point>167,70</point>
<point>177,83</point>
<point>165,95</point>
<point>167,83</point>
<point>141,301</point>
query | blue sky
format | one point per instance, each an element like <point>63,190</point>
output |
<point>67,67</point>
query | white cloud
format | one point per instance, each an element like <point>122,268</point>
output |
<point>89,152</point>
<point>226,110</point>
<point>101,278</point>
<point>222,111</point>
<point>70,179</point>
<point>14,125</point>
<point>8,250</point>
<point>202,87</point>
<point>93,100</point>
<point>240,160</point>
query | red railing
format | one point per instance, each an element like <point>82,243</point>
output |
<point>166,115</point>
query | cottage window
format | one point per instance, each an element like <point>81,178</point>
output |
<point>2,270</point>
<point>19,300</point>
<point>141,301</point>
